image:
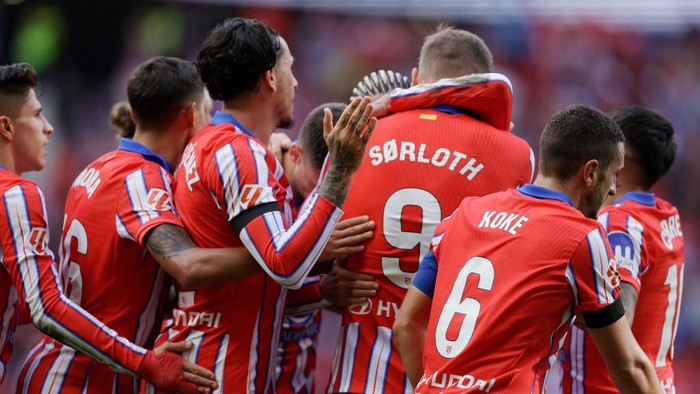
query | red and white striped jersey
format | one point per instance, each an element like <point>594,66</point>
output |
<point>503,302</point>
<point>420,163</point>
<point>111,206</point>
<point>231,191</point>
<point>29,279</point>
<point>646,236</point>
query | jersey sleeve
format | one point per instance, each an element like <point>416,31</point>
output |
<point>145,202</point>
<point>594,279</point>
<point>246,178</point>
<point>31,267</point>
<point>625,236</point>
<point>427,275</point>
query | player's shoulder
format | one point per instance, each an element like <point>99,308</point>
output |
<point>10,182</point>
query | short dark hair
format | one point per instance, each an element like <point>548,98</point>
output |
<point>159,87</point>
<point>652,138</point>
<point>311,132</point>
<point>575,135</point>
<point>235,54</point>
<point>451,52</point>
<point>15,82</point>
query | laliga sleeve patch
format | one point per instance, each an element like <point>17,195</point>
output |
<point>626,252</point>
<point>159,200</point>
<point>37,239</point>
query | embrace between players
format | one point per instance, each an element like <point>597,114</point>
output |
<point>505,264</point>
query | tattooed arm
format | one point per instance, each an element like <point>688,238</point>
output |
<point>191,266</point>
<point>347,150</point>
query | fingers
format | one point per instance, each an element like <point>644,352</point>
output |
<point>327,123</point>
<point>347,113</point>
<point>343,224</point>
<point>173,347</point>
<point>349,230</point>
<point>369,131</point>
<point>352,276</point>
<point>366,113</point>
<point>193,369</point>
<point>358,119</point>
<point>200,381</point>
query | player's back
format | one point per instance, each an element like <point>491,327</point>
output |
<point>419,165</point>
<point>645,233</point>
<point>512,270</point>
<point>235,326</point>
<point>110,208</point>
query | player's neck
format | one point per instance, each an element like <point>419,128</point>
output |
<point>569,188</point>
<point>167,145</point>
<point>7,159</point>
<point>254,115</point>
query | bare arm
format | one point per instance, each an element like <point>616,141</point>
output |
<point>628,294</point>
<point>409,331</point>
<point>629,367</point>
<point>191,266</point>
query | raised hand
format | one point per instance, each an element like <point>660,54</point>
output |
<point>347,140</point>
<point>169,372</point>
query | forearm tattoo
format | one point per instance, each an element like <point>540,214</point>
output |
<point>335,185</point>
<point>168,239</point>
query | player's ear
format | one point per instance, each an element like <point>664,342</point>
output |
<point>414,76</point>
<point>296,153</point>
<point>190,112</point>
<point>6,130</point>
<point>590,172</point>
<point>269,80</point>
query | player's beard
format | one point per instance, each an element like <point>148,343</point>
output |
<point>595,200</point>
<point>286,123</point>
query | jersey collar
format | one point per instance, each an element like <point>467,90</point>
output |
<point>221,117</point>
<point>544,193</point>
<point>449,109</point>
<point>128,145</point>
<point>644,198</point>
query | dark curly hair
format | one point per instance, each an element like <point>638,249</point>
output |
<point>651,136</point>
<point>15,82</point>
<point>235,54</point>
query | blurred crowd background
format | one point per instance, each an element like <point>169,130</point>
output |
<point>556,53</point>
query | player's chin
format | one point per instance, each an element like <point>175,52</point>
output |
<point>286,122</point>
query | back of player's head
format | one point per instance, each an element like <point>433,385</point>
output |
<point>160,87</point>
<point>15,82</point>
<point>451,52</point>
<point>120,118</point>
<point>311,132</point>
<point>235,54</point>
<point>575,135</point>
<point>650,135</point>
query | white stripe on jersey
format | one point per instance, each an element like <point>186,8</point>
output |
<point>636,232</point>
<point>351,339</point>
<point>604,219</point>
<point>379,361</point>
<point>299,378</point>
<point>58,371</point>
<point>20,225</point>
<point>121,229</point>
<point>407,387</point>
<point>571,278</point>
<point>336,362</point>
<point>45,348</point>
<point>600,262</point>
<point>578,364</point>
<point>262,171</point>
<point>196,337</point>
<point>276,334</point>
<point>253,359</point>
<point>138,196</point>
<point>552,351</point>
<point>220,363</point>
<point>12,298</point>
<point>225,159</point>
<point>148,317</point>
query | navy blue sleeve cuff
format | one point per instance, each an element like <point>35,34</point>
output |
<point>426,275</point>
